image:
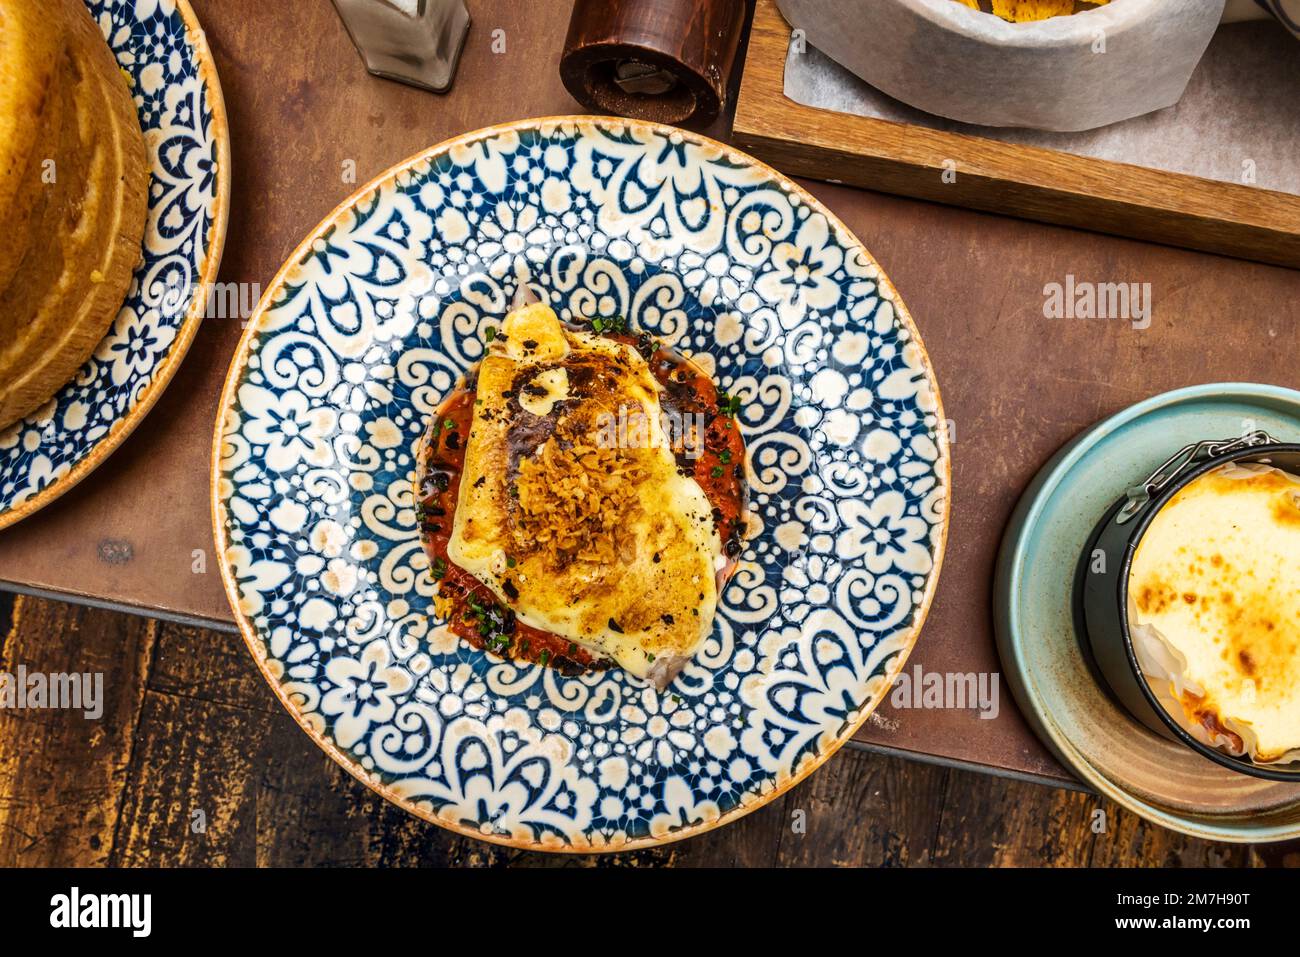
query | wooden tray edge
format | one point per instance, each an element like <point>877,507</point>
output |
<point>1026,181</point>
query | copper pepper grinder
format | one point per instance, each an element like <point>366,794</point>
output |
<point>412,41</point>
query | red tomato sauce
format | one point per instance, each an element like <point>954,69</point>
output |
<point>473,610</point>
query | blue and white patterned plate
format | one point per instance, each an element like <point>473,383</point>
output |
<point>161,47</point>
<point>368,327</point>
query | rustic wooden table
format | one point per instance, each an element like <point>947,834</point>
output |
<point>194,764</point>
<point>1015,385</point>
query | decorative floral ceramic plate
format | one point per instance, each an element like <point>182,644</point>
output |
<point>368,327</point>
<point>160,46</point>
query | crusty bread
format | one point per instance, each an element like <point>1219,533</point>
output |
<point>74,181</point>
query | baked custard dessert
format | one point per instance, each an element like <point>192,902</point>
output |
<point>74,180</point>
<point>1214,610</point>
<point>583,498</point>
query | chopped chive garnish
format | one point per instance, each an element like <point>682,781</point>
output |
<point>612,324</point>
<point>490,333</point>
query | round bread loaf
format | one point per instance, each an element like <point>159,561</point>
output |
<point>74,181</point>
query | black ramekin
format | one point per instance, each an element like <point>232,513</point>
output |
<point>1101,586</point>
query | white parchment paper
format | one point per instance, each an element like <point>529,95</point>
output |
<point>1237,121</point>
<point>1075,72</point>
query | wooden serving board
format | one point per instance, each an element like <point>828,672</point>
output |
<point>1028,181</point>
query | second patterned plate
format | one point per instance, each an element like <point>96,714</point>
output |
<point>162,50</point>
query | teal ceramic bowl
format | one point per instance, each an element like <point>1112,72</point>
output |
<point>1038,639</point>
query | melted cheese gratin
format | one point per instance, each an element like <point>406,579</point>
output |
<point>1215,582</point>
<point>603,542</point>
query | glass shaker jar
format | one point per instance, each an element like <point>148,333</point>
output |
<point>412,41</point>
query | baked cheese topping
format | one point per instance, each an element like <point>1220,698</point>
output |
<point>1216,580</point>
<point>609,544</point>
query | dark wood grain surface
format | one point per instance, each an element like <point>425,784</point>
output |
<point>1015,384</point>
<point>193,763</point>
